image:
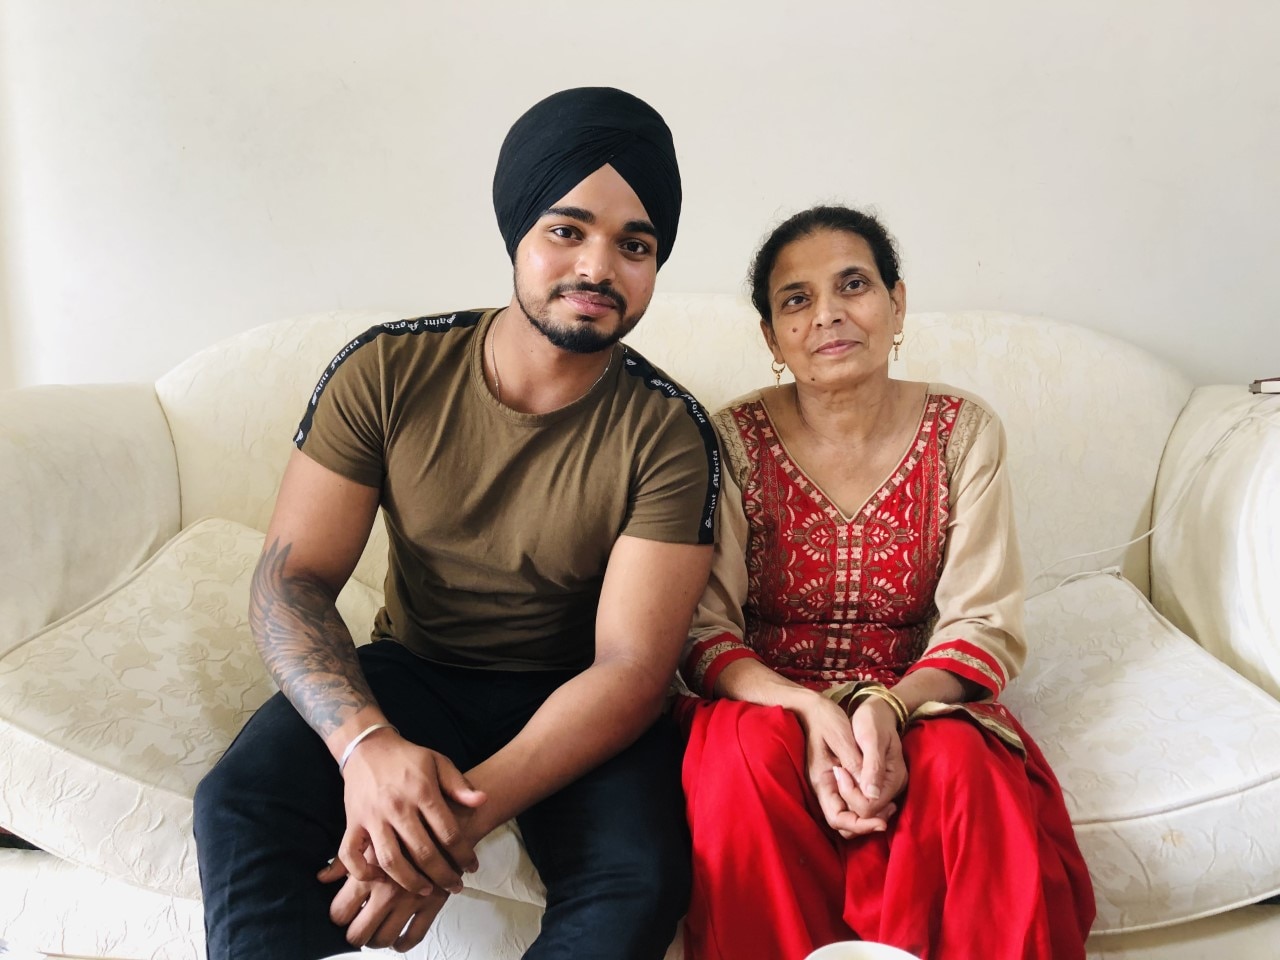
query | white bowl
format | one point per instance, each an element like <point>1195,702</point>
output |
<point>859,950</point>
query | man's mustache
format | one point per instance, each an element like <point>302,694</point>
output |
<point>600,289</point>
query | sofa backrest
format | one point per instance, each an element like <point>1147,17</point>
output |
<point>1087,415</point>
<point>233,410</point>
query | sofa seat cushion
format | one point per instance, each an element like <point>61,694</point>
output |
<point>65,910</point>
<point>110,717</point>
<point>1169,760</point>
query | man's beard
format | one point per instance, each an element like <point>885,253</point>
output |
<point>582,337</point>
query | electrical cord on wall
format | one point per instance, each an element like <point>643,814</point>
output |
<point>1270,418</point>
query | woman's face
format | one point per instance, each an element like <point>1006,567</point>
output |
<point>833,318</point>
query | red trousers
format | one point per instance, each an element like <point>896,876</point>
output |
<point>979,862</point>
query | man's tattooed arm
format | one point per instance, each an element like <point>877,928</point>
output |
<point>305,644</point>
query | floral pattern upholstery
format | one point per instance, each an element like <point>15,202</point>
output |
<point>110,717</point>
<point>1168,759</point>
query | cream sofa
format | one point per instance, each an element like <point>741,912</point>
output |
<point>131,519</point>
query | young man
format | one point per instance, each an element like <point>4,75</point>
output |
<point>549,498</point>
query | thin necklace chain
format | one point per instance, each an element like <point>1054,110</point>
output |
<point>493,361</point>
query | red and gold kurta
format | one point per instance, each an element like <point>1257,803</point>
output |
<point>926,573</point>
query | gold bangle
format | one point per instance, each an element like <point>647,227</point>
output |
<point>900,707</point>
<point>881,692</point>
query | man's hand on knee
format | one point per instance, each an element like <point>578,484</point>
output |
<point>408,807</point>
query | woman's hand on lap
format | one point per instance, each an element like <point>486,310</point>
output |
<point>883,771</point>
<point>830,744</point>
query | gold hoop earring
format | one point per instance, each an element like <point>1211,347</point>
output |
<point>777,369</point>
<point>897,342</point>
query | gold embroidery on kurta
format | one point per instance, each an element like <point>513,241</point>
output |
<point>969,660</point>
<point>708,657</point>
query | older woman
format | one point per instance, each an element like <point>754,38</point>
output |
<point>849,772</point>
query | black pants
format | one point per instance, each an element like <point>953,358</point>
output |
<point>612,847</point>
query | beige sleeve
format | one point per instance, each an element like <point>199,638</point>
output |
<point>979,632</point>
<point>716,636</point>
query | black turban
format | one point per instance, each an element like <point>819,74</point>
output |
<point>565,138</point>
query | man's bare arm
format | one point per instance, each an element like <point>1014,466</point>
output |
<point>305,643</point>
<point>395,791</point>
<point>647,602</point>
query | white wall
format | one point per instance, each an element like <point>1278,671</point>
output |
<point>8,365</point>
<point>179,171</point>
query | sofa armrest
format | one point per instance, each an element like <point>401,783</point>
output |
<point>1215,553</point>
<point>88,490</point>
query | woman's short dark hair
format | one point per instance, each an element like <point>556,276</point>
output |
<point>810,221</point>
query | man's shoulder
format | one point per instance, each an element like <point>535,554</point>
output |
<point>397,342</point>
<point>654,385</point>
<point>435,322</point>
<point>678,459</point>
<point>416,332</point>
<point>382,356</point>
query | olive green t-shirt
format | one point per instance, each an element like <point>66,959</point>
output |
<point>501,523</point>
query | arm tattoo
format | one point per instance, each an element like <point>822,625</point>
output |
<point>307,648</point>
